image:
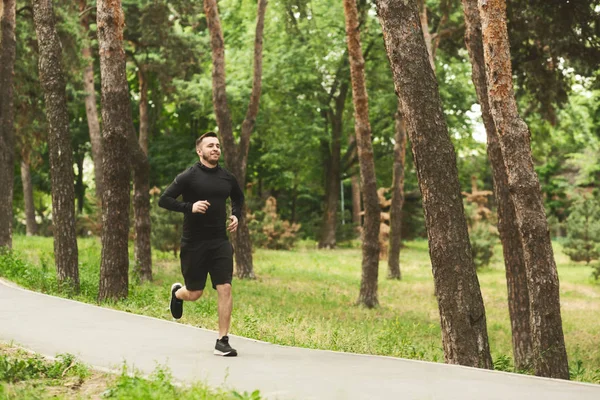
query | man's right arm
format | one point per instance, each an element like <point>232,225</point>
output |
<point>169,200</point>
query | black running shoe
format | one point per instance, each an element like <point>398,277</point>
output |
<point>176,304</point>
<point>222,348</point>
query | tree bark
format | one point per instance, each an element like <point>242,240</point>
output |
<point>141,189</point>
<point>370,241</point>
<point>426,33</point>
<point>59,142</point>
<point>79,185</point>
<point>91,109</point>
<point>516,275</point>
<point>236,155</point>
<point>30,224</point>
<point>117,127</point>
<point>397,196</point>
<point>332,190</point>
<point>8,47</point>
<point>356,202</point>
<point>549,352</point>
<point>462,313</point>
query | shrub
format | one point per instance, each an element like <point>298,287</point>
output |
<point>483,233</point>
<point>583,230</point>
<point>269,231</point>
<point>166,226</point>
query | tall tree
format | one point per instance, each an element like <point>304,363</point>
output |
<point>370,240</point>
<point>516,276</point>
<point>7,132</point>
<point>30,223</point>
<point>549,352</point>
<point>91,109</point>
<point>334,116</point>
<point>117,127</point>
<point>462,313</point>
<point>397,195</point>
<point>236,155</point>
<point>53,83</point>
<point>141,192</point>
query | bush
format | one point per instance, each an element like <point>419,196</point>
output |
<point>583,230</point>
<point>483,239</point>
<point>268,231</point>
<point>166,226</point>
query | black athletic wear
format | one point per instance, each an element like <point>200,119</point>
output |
<point>214,257</point>
<point>214,185</point>
<point>176,305</point>
<point>205,248</point>
<point>222,348</point>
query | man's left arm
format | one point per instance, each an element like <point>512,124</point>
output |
<point>237,201</point>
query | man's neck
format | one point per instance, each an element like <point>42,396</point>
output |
<point>207,164</point>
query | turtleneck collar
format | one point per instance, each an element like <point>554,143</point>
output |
<point>207,169</point>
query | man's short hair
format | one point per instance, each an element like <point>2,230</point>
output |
<point>207,134</point>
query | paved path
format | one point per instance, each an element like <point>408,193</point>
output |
<point>104,338</point>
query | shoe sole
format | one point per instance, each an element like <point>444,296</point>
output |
<point>173,287</point>
<point>223,354</point>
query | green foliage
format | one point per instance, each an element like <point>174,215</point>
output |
<point>166,226</point>
<point>26,366</point>
<point>503,363</point>
<point>583,230</point>
<point>159,386</point>
<point>269,231</point>
<point>25,375</point>
<point>483,233</point>
<point>483,240</point>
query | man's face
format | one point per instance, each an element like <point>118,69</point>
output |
<point>210,150</point>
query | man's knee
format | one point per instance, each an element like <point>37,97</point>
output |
<point>194,295</point>
<point>224,290</point>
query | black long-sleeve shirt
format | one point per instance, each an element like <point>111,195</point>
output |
<point>214,185</point>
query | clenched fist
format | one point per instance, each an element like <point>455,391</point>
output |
<point>200,206</point>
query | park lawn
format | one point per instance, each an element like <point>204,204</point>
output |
<point>306,297</point>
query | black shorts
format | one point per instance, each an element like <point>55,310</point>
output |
<point>214,257</point>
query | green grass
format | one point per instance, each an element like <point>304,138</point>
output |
<point>26,376</point>
<point>306,297</point>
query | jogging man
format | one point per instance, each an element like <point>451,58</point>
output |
<point>205,248</point>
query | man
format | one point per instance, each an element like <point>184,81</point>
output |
<point>205,248</point>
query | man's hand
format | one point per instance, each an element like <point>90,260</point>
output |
<point>200,206</point>
<point>233,224</point>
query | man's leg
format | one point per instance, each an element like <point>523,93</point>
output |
<point>188,295</point>
<point>224,307</point>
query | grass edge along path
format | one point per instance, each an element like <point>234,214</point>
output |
<point>28,375</point>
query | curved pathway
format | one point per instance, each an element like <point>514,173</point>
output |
<point>105,338</point>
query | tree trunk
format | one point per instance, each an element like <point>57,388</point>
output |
<point>31,225</point>
<point>516,276</point>
<point>332,190</point>
<point>356,206</point>
<point>549,352</point>
<point>59,143</point>
<point>236,155</point>
<point>370,241</point>
<point>79,185</point>
<point>462,313</point>
<point>144,125</point>
<point>426,33</point>
<point>141,189</point>
<point>91,110</point>
<point>8,47</point>
<point>397,196</point>
<point>117,126</point>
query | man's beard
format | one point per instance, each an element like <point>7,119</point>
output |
<point>206,157</point>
